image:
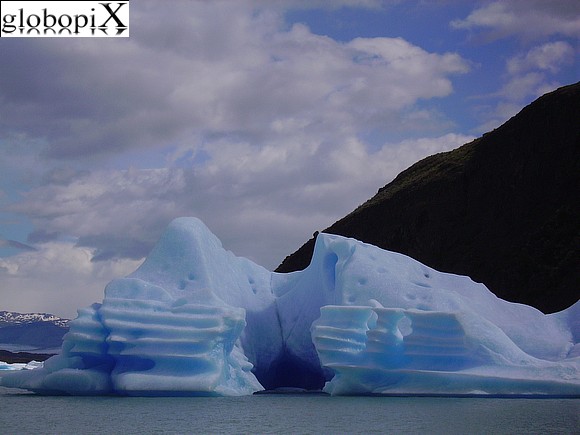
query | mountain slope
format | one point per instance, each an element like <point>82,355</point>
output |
<point>503,209</point>
<point>31,331</point>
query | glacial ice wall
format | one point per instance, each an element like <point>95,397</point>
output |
<point>196,320</point>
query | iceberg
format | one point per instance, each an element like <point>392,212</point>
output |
<point>194,319</point>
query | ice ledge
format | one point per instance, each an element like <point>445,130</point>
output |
<point>377,350</point>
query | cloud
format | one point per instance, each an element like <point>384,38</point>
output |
<point>57,278</point>
<point>323,4</point>
<point>16,245</point>
<point>528,76</point>
<point>227,69</point>
<point>546,57</point>
<point>529,73</point>
<point>521,86</point>
<point>265,131</point>
<point>548,27</point>
<point>247,117</point>
<point>97,206</point>
<point>261,202</point>
<point>531,19</point>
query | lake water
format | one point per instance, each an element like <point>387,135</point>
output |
<point>23,413</point>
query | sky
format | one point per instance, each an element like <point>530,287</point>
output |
<point>268,120</point>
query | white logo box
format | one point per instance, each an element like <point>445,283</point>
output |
<point>72,19</point>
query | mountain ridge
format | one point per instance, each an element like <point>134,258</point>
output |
<point>12,318</point>
<point>38,332</point>
<point>501,209</point>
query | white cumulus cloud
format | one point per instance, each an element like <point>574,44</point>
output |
<point>57,278</point>
<point>546,57</point>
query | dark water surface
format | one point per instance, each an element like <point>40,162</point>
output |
<point>285,414</point>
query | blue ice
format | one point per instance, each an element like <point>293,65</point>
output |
<point>194,319</point>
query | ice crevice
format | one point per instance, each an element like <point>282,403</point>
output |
<point>194,319</point>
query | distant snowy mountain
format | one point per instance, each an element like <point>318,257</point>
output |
<point>10,318</point>
<point>31,331</point>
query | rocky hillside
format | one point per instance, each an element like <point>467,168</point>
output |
<point>503,209</point>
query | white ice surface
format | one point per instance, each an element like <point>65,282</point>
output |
<point>196,320</point>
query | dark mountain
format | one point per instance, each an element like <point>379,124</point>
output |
<point>503,209</point>
<point>29,331</point>
<point>22,357</point>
